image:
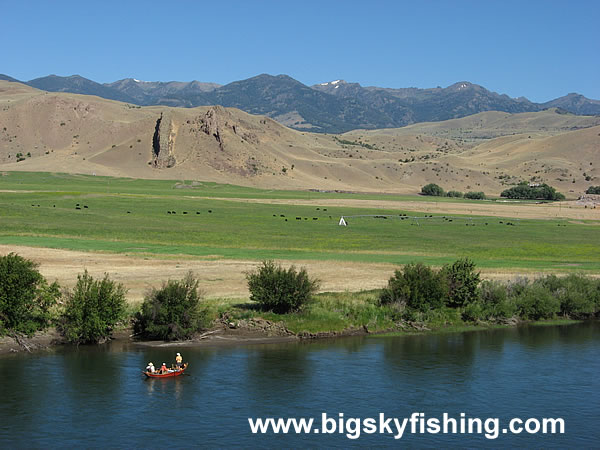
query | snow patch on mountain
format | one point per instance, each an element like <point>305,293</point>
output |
<point>331,82</point>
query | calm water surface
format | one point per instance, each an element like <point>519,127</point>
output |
<point>97,397</point>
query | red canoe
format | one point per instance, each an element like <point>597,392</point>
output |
<point>174,373</point>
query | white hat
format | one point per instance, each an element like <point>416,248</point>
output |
<point>163,364</point>
<point>150,364</point>
<point>178,354</point>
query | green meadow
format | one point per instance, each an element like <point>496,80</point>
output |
<point>131,216</point>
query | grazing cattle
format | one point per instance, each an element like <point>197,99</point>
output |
<point>54,206</point>
<point>185,212</point>
<point>318,209</point>
<point>128,212</point>
<point>324,209</point>
<point>168,212</point>
<point>298,218</point>
<point>197,212</point>
<point>210,210</point>
<point>173,212</point>
<point>77,207</point>
<point>281,215</point>
<point>286,220</point>
<point>274,215</point>
<point>85,206</point>
<point>315,218</point>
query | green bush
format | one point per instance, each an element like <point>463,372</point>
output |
<point>494,299</point>
<point>578,295</point>
<point>593,190</point>
<point>416,286</point>
<point>516,286</point>
<point>473,312</point>
<point>92,309</point>
<point>279,290</point>
<point>26,299</point>
<point>462,282</point>
<point>456,194</point>
<point>536,302</point>
<point>475,195</point>
<point>432,189</point>
<point>175,311</point>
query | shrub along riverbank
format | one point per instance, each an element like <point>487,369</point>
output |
<point>417,298</point>
<point>420,298</point>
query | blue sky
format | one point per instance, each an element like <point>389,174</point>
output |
<point>538,49</point>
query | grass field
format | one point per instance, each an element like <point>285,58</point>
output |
<point>131,216</point>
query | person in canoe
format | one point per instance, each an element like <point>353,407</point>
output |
<point>178,361</point>
<point>150,368</point>
<point>164,368</point>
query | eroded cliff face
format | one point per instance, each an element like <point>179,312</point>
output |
<point>163,142</point>
<point>218,122</point>
<point>211,124</point>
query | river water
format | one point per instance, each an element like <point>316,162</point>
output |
<point>97,396</point>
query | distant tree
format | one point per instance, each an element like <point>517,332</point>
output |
<point>593,190</point>
<point>92,309</point>
<point>432,189</point>
<point>524,191</point>
<point>475,195</point>
<point>26,299</point>
<point>456,194</point>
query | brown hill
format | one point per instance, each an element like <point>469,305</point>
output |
<point>86,134</point>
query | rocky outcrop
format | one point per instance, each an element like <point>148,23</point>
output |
<point>212,124</point>
<point>217,122</point>
<point>163,142</point>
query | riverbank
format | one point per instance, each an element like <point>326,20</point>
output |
<point>255,332</point>
<point>231,321</point>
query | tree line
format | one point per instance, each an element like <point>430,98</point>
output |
<point>437,191</point>
<point>523,191</point>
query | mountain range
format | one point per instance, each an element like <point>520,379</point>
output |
<point>331,107</point>
<point>74,133</point>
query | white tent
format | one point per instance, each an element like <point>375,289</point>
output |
<point>342,222</point>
